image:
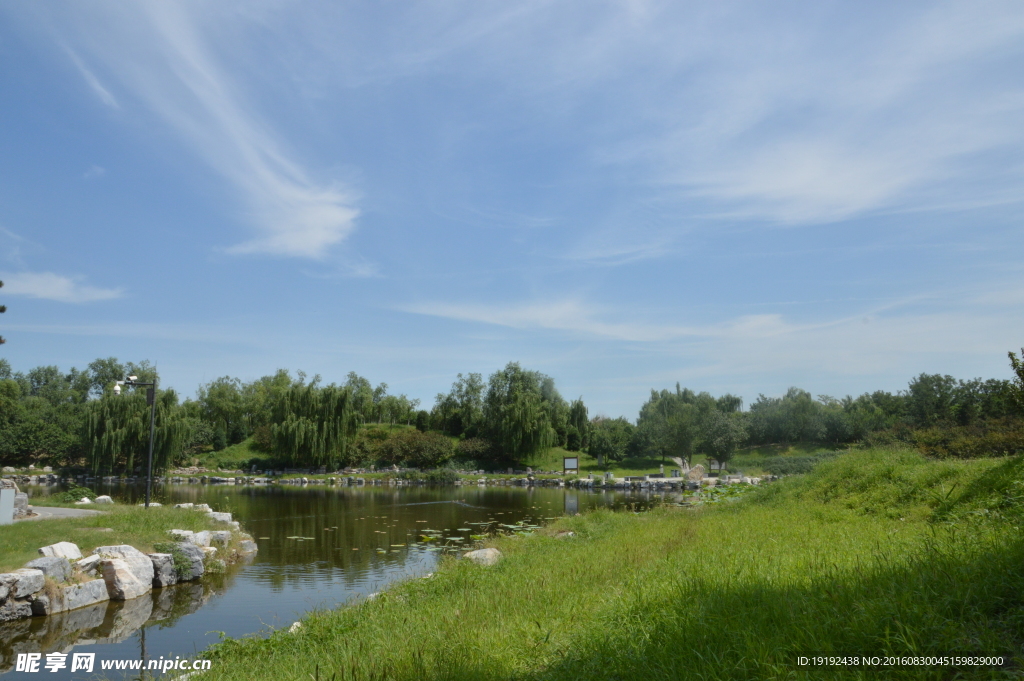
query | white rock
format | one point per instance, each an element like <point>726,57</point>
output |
<point>202,507</point>
<point>485,557</point>
<point>138,562</point>
<point>62,549</point>
<point>163,569</point>
<point>122,584</point>
<point>23,582</point>
<point>247,546</point>
<point>202,539</point>
<point>181,535</point>
<point>188,505</point>
<point>104,499</point>
<point>220,537</point>
<point>83,500</point>
<point>88,564</point>
<point>209,551</point>
<point>222,517</point>
<point>71,598</point>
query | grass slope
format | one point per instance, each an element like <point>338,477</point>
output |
<point>874,553</point>
<point>116,525</point>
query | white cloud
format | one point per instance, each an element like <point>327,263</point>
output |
<point>93,82</point>
<point>167,57</point>
<point>50,286</point>
<point>94,171</point>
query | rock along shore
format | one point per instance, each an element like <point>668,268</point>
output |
<point>62,579</point>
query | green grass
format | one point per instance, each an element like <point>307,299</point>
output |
<point>873,553</point>
<point>233,457</point>
<point>117,524</point>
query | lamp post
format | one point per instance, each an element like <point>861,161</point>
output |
<point>133,381</point>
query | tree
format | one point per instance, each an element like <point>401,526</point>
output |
<point>3,308</point>
<point>312,425</point>
<point>610,439</point>
<point>516,416</point>
<point>578,419</point>
<point>1017,364</point>
<point>720,435</point>
<point>116,431</point>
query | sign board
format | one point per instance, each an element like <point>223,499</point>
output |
<point>570,463</point>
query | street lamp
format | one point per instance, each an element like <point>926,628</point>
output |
<point>133,381</point>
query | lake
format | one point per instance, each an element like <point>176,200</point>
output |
<point>319,547</point>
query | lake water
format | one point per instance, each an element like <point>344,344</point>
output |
<point>319,547</point>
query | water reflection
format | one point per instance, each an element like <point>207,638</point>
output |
<point>319,547</point>
<point>110,622</point>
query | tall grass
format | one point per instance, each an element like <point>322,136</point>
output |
<point>864,556</point>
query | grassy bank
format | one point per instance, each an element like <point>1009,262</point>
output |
<point>117,524</point>
<point>874,553</point>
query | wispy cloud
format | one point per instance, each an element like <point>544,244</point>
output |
<point>165,55</point>
<point>50,286</point>
<point>93,172</point>
<point>92,81</point>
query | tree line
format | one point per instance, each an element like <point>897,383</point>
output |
<point>74,419</point>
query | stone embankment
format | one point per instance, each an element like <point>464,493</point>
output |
<point>62,579</point>
<point>408,477</point>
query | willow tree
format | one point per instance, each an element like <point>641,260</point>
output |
<point>115,432</point>
<point>515,415</point>
<point>312,425</point>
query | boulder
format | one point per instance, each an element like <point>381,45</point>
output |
<point>87,565</point>
<point>163,569</point>
<point>209,551</point>
<point>15,610</point>
<point>10,469</point>
<point>23,582</point>
<point>485,557</point>
<point>188,505</point>
<point>122,584</point>
<point>138,562</point>
<point>181,535</point>
<point>195,556</point>
<point>5,589</point>
<point>71,598</point>
<point>105,499</point>
<point>202,538</point>
<point>222,517</point>
<point>202,507</point>
<point>247,546</point>
<point>152,504</point>
<point>62,549</point>
<point>83,500</point>
<point>57,569</point>
<point>220,537</point>
<point>86,593</point>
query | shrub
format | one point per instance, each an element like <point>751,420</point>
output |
<point>182,563</point>
<point>442,476</point>
<point>423,450</point>
<point>74,493</point>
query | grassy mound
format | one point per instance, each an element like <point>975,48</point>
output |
<point>873,553</point>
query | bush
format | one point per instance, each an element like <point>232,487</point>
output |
<point>442,476</point>
<point>473,448</point>
<point>182,563</point>
<point>423,450</point>
<point>74,494</point>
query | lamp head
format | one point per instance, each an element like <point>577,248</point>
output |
<point>117,388</point>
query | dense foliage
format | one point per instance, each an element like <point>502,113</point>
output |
<point>74,419</point>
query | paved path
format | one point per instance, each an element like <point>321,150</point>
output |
<point>46,512</point>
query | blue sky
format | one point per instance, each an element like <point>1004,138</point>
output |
<point>736,196</point>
